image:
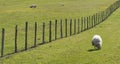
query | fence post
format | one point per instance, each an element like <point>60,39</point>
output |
<point>16,33</point>
<point>94,20</point>
<point>35,36</point>
<point>78,26</point>
<point>70,27</point>
<point>50,31</point>
<point>74,26</point>
<point>91,21</point>
<point>84,23</point>
<point>2,45</point>
<point>61,32</point>
<point>81,24</point>
<point>87,22</point>
<point>26,35</point>
<point>55,29</point>
<point>97,18</point>
<point>103,16</point>
<point>43,35</point>
<point>65,27</point>
<point>100,17</point>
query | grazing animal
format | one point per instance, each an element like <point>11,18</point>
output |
<point>33,6</point>
<point>97,41</point>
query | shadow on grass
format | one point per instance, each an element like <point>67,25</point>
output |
<point>92,50</point>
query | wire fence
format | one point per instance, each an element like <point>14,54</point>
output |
<point>57,29</point>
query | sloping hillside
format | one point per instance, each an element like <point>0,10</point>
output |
<point>71,50</point>
<point>75,49</point>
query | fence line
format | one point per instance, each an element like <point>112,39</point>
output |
<point>62,28</point>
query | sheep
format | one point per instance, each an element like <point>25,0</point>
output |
<point>97,41</point>
<point>33,6</point>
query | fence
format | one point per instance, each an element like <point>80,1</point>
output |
<point>59,29</point>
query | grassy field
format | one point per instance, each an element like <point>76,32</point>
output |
<point>71,50</point>
<point>75,49</point>
<point>18,12</point>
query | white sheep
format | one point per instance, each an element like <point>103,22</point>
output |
<point>97,41</point>
<point>33,6</point>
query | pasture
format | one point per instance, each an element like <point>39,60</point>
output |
<point>71,50</point>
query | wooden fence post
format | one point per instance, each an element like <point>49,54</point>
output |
<point>55,29</point>
<point>70,27</point>
<point>43,35</point>
<point>74,26</point>
<point>84,24</point>
<point>97,17</point>
<point>93,20</point>
<point>61,30</point>
<point>90,20</point>
<point>100,17</point>
<point>2,44</point>
<point>96,21</point>
<point>26,35</point>
<point>35,36</point>
<point>50,31</point>
<point>87,22</point>
<point>16,33</point>
<point>78,26</point>
<point>81,24</point>
<point>65,27</point>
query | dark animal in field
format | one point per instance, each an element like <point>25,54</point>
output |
<point>33,6</point>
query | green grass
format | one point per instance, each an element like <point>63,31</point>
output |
<point>71,50</point>
<point>74,50</point>
<point>18,12</point>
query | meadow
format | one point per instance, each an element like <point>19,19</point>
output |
<point>71,50</point>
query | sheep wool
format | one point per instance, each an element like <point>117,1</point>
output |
<point>33,6</point>
<point>97,41</point>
